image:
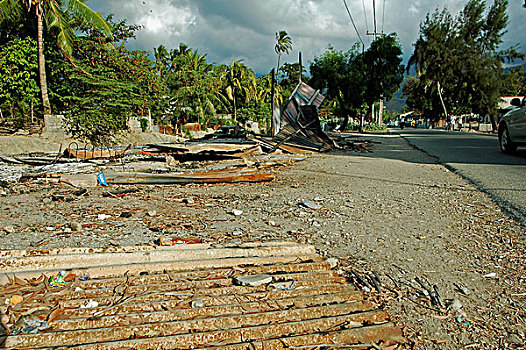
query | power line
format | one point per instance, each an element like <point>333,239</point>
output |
<point>383,17</point>
<point>365,15</point>
<point>374,18</point>
<point>352,20</point>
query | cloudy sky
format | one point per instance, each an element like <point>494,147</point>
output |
<point>245,29</point>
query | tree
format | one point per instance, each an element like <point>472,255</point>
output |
<point>193,84</point>
<point>291,77</point>
<point>53,15</point>
<point>515,82</point>
<point>18,78</point>
<point>342,76</point>
<point>384,71</point>
<point>107,86</point>
<point>283,45</point>
<point>434,58</point>
<point>354,79</point>
<point>458,62</point>
<point>239,84</point>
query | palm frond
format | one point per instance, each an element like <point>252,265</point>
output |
<point>88,16</point>
<point>55,19</point>
<point>10,9</point>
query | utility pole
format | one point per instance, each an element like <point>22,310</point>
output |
<point>374,34</point>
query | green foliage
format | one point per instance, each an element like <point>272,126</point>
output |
<point>515,82</point>
<point>193,84</point>
<point>216,120</point>
<point>144,124</point>
<point>457,59</point>
<point>374,127</point>
<point>341,75</point>
<point>18,78</point>
<point>264,90</point>
<point>54,17</point>
<point>384,69</point>
<point>367,127</point>
<point>100,105</point>
<point>354,80</point>
<point>109,86</point>
<point>239,85</point>
<point>290,77</point>
<point>257,111</point>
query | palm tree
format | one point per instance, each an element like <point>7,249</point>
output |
<point>283,45</point>
<point>239,81</point>
<point>53,14</point>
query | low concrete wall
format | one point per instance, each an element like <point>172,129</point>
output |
<point>54,126</point>
<point>486,127</point>
<point>134,125</point>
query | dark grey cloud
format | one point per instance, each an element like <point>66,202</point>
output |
<point>245,29</point>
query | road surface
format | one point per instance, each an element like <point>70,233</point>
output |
<point>477,157</point>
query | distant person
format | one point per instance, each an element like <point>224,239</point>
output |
<point>402,123</point>
<point>448,122</point>
<point>453,122</point>
<point>460,124</point>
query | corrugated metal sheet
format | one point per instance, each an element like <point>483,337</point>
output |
<point>186,296</point>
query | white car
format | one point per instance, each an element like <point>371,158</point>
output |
<point>512,127</point>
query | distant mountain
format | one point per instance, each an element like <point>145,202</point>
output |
<point>397,103</point>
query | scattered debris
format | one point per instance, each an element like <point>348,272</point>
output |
<point>203,150</point>
<point>311,205</point>
<point>90,304</point>
<point>237,212</point>
<point>167,241</point>
<point>95,154</point>
<point>254,280</point>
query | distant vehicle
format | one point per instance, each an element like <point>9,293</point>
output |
<point>512,127</point>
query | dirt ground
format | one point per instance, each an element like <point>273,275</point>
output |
<point>392,210</point>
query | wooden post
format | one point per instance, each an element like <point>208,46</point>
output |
<point>301,66</point>
<point>272,92</point>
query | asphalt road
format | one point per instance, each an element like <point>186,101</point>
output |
<point>477,158</point>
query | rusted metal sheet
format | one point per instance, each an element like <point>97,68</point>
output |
<point>148,302</point>
<point>116,262</point>
<point>178,310</point>
<point>354,338</point>
<point>305,302</point>
<point>300,127</point>
<point>212,176</point>
<point>204,148</point>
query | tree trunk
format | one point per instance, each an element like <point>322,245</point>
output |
<point>235,109</point>
<point>494,124</point>
<point>277,69</point>
<point>41,61</point>
<point>345,113</point>
<point>441,99</point>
